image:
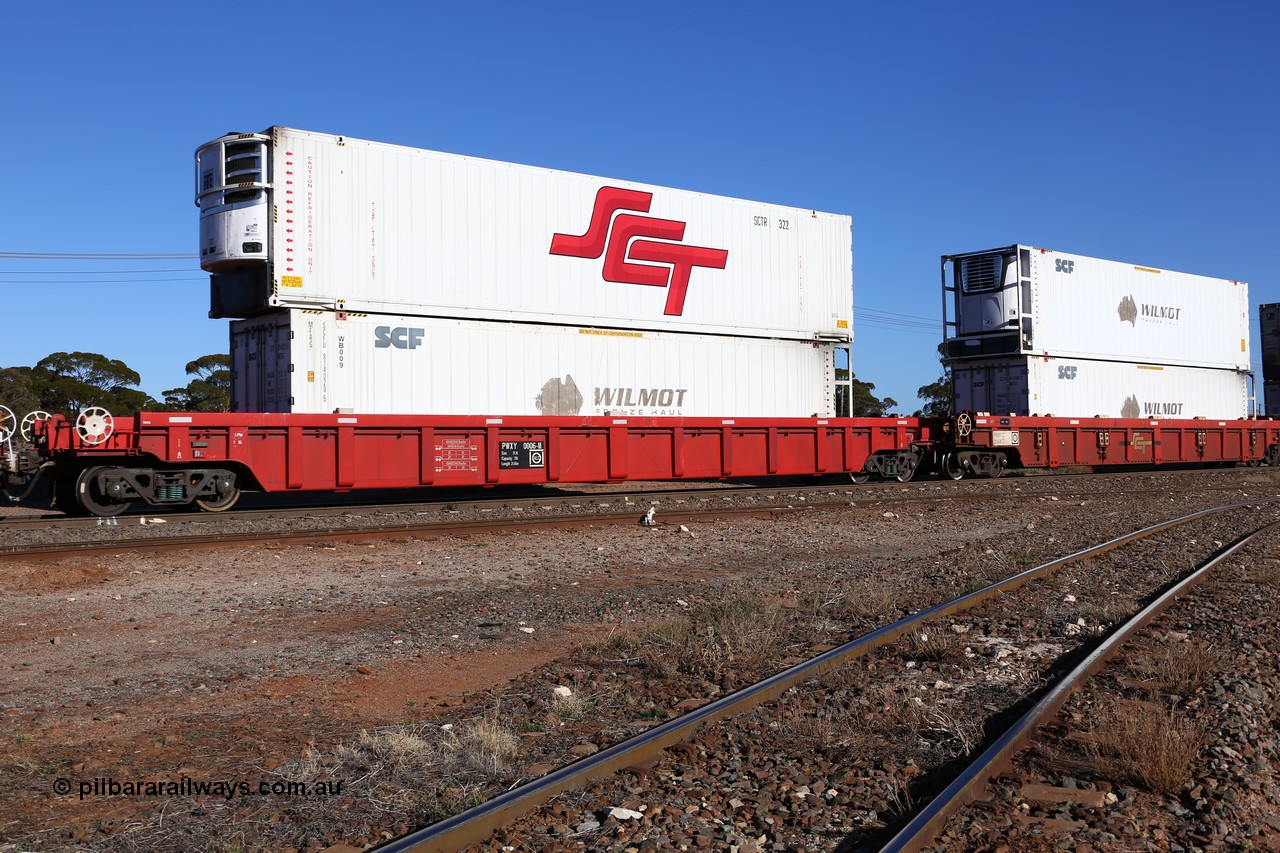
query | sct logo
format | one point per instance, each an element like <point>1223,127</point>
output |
<point>401,337</point>
<point>623,239</point>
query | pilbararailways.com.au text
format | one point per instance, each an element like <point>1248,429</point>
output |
<point>227,789</point>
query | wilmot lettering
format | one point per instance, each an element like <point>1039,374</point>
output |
<point>630,398</point>
<point>1150,410</point>
<point>1161,312</point>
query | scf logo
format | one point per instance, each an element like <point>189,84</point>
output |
<point>622,240</point>
<point>1061,265</point>
<point>401,337</point>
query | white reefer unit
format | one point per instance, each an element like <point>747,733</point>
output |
<point>1083,388</point>
<point>293,219</point>
<point>1022,300</point>
<point>322,362</point>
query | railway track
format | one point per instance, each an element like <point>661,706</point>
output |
<point>373,531</point>
<point>63,535</point>
<point>973,782</point>
<point>479,824</point>
<point>309,505</point>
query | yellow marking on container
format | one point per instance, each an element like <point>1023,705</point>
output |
<point>1242,345</point>
<point>611,333</point>
<point>842,324</point>
<point>311,376</point>
<point>1147,269</point>
<point>1149,367</point>
<point>291,281</point>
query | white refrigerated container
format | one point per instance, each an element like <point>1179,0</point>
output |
<point>1083,388</point>
<point>322,362</point>
<point>1021,300</point>
<point>294,219</point>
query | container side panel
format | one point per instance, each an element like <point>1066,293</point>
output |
<point>1082,388</point>
<point>372,227</point>
<point>381,364</point>
<point>1081,307</point>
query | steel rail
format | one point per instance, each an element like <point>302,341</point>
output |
<point>435,503</point>
<point>929,822</point>
<point>848,492</point>
<point>58,550</point>
<point>477,824</point>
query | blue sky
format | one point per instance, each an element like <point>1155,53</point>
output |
<point>1144,132</point>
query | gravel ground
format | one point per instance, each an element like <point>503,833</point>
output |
<point>265,665</point>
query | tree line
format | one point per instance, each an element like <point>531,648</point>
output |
<point>865,404</point>
<point>67,382</point>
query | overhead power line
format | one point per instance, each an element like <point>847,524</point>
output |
<point>89,272</point>
<point>98,280</point>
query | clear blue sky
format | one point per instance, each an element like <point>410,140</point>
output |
<point>1145,132</point>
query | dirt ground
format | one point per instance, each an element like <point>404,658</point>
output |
<point>221,665</point>
<point>224,664</point>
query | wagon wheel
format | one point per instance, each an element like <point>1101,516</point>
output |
<point>95,425</point>
<point>8,422</point>
<point>996,471</point>
<point>220,503</point>
<point>951,467</point>
<point>91,498</point>
<point>28,423</point>
<point>908,472</point>
<point>964,424</point>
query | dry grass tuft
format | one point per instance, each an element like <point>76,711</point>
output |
<point>743,637</point>
<point>869,599</point>
<point>934,643</point>
<point>436,770</point>
<point>1264,573</point>
<point>931,724</point>
<point>1105,610</point>
<point>572,707</point>
<point>1183,668</point>
<point>488,746</point>
<point>1146,743</point>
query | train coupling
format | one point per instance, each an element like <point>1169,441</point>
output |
<point>20,472</point>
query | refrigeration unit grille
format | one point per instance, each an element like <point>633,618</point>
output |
<point>981,273</point>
